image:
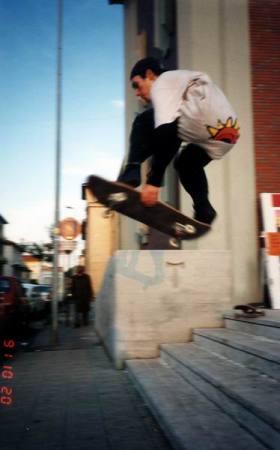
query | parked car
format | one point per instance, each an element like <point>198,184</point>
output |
<point>36,303</point>
<point>14,308</point>
<point>42,294</point>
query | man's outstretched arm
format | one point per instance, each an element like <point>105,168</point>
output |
<point>165,144</point>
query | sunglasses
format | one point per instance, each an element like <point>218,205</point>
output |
<point>135,85</point>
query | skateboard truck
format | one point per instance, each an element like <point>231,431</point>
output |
<point>117,197</point>
<point>181,229</point>
<point>113,200</point>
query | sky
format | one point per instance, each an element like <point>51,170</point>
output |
<point>92,108</point>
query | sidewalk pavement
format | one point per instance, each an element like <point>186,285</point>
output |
<point>70,397</point>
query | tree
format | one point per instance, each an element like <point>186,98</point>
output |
<point>44,252</point>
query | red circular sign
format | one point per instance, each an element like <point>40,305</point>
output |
<point>69,228</point>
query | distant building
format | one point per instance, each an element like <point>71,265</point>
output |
<point>47,274</point>
<point>14,264</point>
<point>11,263</point>
<point>41,272</point>
<point>34,265</point>
<point>2,259</point>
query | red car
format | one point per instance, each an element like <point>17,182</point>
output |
<point>14,308</point>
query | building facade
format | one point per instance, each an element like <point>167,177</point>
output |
<point>11,262</point>
<point>3,222</point>
<point>237,43</point>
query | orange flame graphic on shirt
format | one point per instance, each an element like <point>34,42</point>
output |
<point>226,132</point>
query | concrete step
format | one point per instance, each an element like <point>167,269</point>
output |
<point>189,419</point>
<point>266,326</point>
<point>256,352</point>
<point>251,399</point>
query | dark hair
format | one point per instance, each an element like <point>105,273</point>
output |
<point>143,65</point>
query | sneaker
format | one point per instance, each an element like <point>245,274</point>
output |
<point>131,174</point>
<point>205,213</point>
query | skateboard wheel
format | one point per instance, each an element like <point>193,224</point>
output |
<point>190,229</point>
<point>117,197</point>
<point>174,243</point>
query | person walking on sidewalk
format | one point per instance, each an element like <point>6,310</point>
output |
<point>193,122</point>
<point>82,294</point>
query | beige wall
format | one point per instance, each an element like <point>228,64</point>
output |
<point>215,40</point>
<point>154,297</point>
<point>102,240</point>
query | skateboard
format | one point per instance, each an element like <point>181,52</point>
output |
<point>126,200</point>
<point>248,311</point>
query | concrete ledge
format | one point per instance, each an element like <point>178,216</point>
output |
<point>159,296</point>
<point>267,326</point>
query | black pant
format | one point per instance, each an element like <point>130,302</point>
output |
<point>163,145</point>
<point>81,314</point>
<point>189,164</point>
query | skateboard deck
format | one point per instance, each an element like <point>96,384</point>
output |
<point>248,311</point>
<point>126,200</point>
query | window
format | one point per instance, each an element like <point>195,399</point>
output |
<point>164,24</point>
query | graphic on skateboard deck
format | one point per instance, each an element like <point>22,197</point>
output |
<point>248,311</point>
<point>126,200</point>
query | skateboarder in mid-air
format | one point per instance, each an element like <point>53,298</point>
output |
<point>190,119</point>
